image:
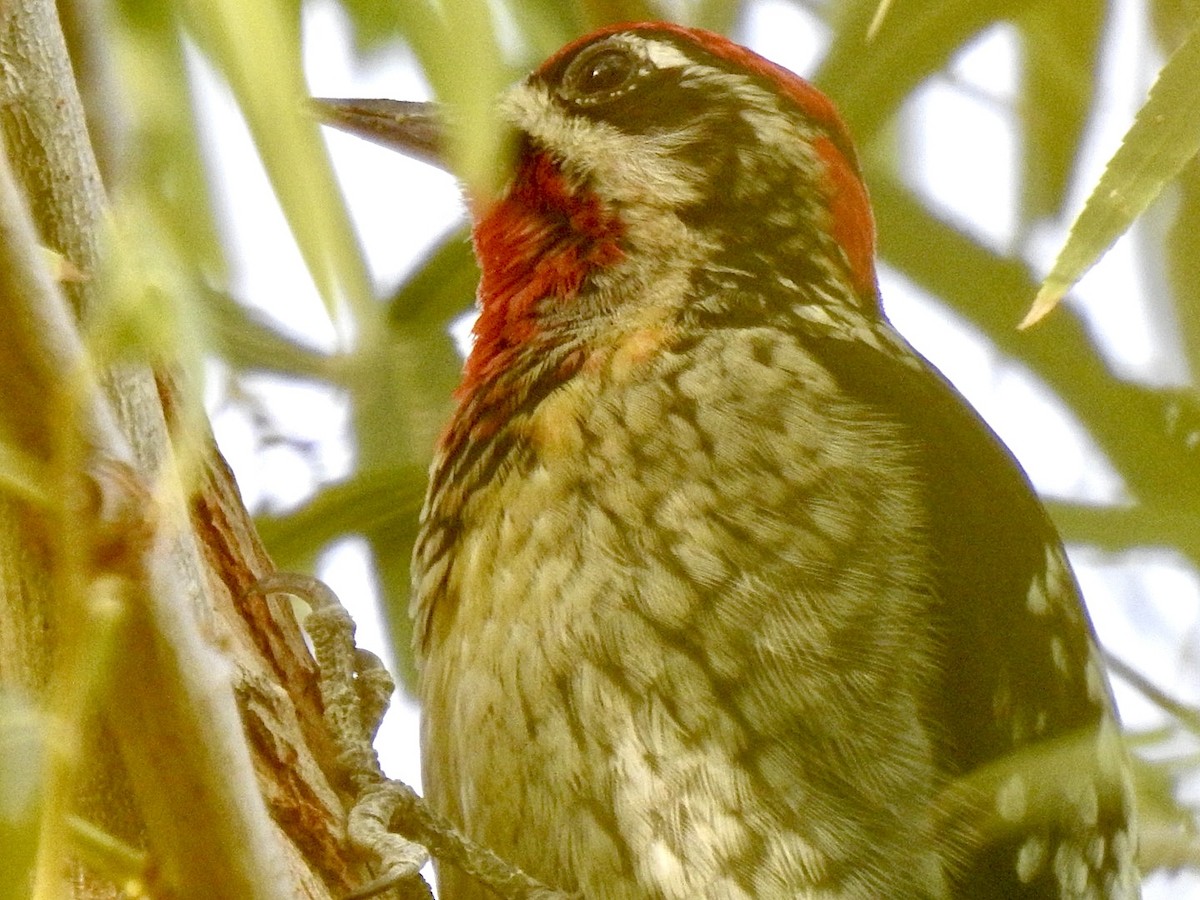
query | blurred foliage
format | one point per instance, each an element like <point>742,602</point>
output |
<point>1164,138</point>
<point>396,364</point>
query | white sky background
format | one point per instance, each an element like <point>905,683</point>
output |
<point>1145,605</point>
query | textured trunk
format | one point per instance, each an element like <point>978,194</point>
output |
<point>185,716</point>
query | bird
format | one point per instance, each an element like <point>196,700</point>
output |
<point>721,590</point>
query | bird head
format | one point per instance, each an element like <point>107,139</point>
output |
<point>660,171</point>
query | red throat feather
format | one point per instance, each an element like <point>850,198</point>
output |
<point>537,244</point>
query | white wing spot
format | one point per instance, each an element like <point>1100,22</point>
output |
<point>1012,799</point>
<point>1088,804</point>
<point>1057,580</point>
<point>1036,599</point>
<point>1097,690</point>
<point>1058,651</point>
<point>1040,722</point>
<point>1030,858</point>
<point>1071,871</point>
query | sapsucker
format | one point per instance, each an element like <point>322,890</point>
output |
<point>721,590</point>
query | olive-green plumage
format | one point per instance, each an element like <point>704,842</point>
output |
<point>721,591</point>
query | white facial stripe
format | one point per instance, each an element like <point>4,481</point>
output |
<point>761,109</point>
<point>750,94</point>
<point>640,168</point>
<point>632,168</point>
<point>663,55</point>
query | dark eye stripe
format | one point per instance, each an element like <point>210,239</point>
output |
<point>706,50</point>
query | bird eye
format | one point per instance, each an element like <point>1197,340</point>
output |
<point>601,72</point>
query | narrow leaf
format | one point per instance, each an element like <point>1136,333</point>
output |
<point>256,47</point>
<point>869,82</point>
<point>1058,88</point>
<point>1164,136</point>
<point>459,52</point>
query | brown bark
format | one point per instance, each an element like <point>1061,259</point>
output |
<point>149,773</point>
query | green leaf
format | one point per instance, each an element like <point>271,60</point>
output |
<point>602,12</point>
<point>165,173</point>
<point>1143,431</point>
<point>246,339</point>
<point>1164,136</point>
<point>403,391</point>
<point>546,25</point>
<point>256,47</point>
<point>869,80</point>
<point>1183,262</point>
<point>460,54</point>
<point>374,24</point>
<point>362,504</point>
<point>441,289</point>
<point>1061,43</point>
<point>717,15</point>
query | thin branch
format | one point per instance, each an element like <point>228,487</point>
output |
<point>1187,716</point>
<point>1117,528</point>
<point>87,29</point>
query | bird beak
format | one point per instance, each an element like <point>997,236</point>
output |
<point>414,129</point>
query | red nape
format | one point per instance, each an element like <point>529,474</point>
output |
<point>853,223</point>
<point>537,243</point>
